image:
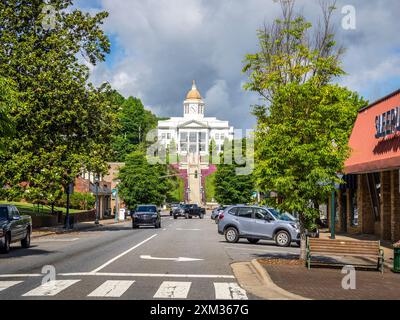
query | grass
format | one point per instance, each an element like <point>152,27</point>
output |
<point>179,190</point>
<point>210,187</point>
<point>35,210</point>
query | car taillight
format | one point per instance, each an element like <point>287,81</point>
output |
<point>221,216</point>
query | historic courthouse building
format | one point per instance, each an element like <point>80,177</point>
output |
<point>191,135</point>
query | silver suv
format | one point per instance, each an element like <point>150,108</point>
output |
<point>255,224</point>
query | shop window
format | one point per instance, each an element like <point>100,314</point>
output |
<point>353,208</point>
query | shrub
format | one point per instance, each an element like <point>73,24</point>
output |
<point>79,201</point>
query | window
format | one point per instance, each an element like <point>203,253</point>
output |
<point>233,211</point>
<point>260,214</point>
<point>202,137</point>
<point>164,136</point>
<point>217,136</point>
<point>184,147</point>
<point>353,207</point>
<point>222,136</point>
<point>245,213</point>
<point>202,147</point>
<point>184,137</point>
<point>193,137</point>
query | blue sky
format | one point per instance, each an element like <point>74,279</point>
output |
<point>160,46</point>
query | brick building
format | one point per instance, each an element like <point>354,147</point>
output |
<point>85,183</point>
<point>369,202</point>
<point>112,179</point>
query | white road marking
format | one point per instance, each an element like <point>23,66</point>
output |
<point>173,290</point>
<point>51,288</point>
<point>33,275</point>
<point>229,291</point>
<point>180,229</point>
<point>122,254</point>
<point>8,284</point>
<point>111,289</point>
<point>147,275</point>
<point>180,259</point>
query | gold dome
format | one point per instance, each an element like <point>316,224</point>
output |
<point>194,94</point>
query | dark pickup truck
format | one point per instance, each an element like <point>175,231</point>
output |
<point>14,228</point>
<point>189,211</point>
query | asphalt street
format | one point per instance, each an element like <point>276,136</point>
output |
<point>185,259</point>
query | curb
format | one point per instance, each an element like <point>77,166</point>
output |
<point>285,295</point>
<point>58,232</point>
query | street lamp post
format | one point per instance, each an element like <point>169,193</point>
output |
<point>116,215</point>
<point>97,181</point>
<point>333,208</point>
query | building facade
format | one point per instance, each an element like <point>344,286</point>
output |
<point>191,136</point>
<point>193,133</point>
<point>369,201</point>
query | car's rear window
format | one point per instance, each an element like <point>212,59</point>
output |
<point>146,209</point>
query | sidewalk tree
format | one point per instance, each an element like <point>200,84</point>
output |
<point>142,182</point>
<point>304,127</point>
<point>64,123</point>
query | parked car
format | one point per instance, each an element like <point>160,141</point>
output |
<point>189,211</point>
<point>146,215</point>
<point>14,228</point>
<point>216,212</point>
<point>255,224</point>
<point>173,207</point>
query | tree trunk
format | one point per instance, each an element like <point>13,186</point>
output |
<point>303,240</point>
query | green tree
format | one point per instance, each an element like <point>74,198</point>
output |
<point>64,123</point>
<point>134,122</point>
<point>142,182</point>
<point>8,98</point>
<point>303,131</point>
<point>229,186</point>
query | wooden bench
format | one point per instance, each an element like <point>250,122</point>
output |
<point>362,249</point>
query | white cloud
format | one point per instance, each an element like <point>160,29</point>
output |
<point>168,43</point>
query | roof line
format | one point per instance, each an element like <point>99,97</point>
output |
<point>390,95</point>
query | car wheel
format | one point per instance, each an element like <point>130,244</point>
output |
<point>26,242</point>
<point>253,241</point>
<point>190,217</point>
<point>232,235</point>
<point>6,244</point>
<point>134,226</point>
<point>282,239</point>
<point>175,217</point>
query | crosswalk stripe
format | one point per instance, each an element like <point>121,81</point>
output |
<point>173,290</point>
<point>229,291</point>
<point>111,289</point>
<point>50,288</point>
<point>8,284</point>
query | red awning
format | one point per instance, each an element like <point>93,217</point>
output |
<point>371,154</point>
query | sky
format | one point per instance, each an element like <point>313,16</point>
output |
<point>159,46</point>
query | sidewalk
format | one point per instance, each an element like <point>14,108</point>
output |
<point>326,283</point>
<point>81,226</point>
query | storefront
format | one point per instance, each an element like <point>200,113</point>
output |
<point>369,202</point>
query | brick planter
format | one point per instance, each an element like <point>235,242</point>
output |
<point>44,221</point>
